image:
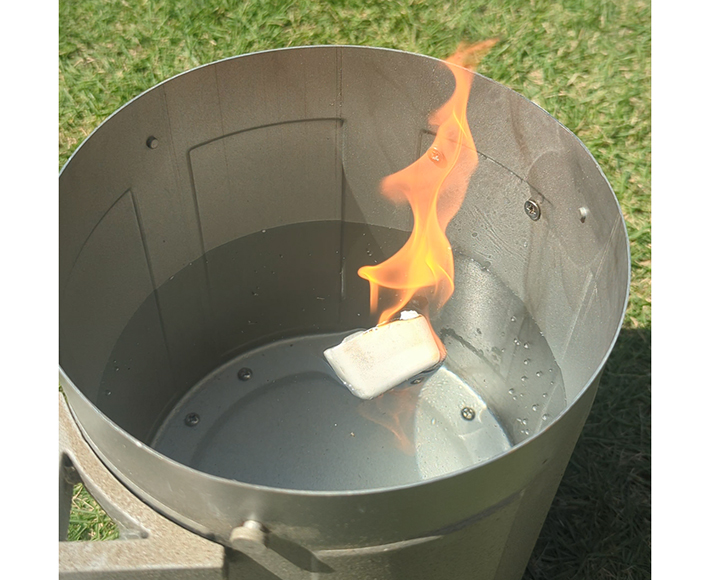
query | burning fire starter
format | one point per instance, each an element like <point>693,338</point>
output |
<point>371,362</point>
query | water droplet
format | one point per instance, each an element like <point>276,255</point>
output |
<point>545,417</point>
<point>538,374</point>
<point>524,421</point>
<point>544,395</point>
<point>526,431</point>
<point>433,421</point>
<point>474,235</point>
<point>263,231</point>
<point>525,244</point>
<point>511,391</point>
<point>535,407</point>
<point>526,361</point>
<point>172,277</point>
<point>512,318</point>
<point>107,393</point>
<point>523,378</point>
<point>516,341</point>
<point>526,345</point>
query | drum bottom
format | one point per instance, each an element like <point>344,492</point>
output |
<point>278,416</point>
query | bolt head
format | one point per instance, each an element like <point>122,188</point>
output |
<point>192,419</point>
<point>250,537</point>
<point>244,374</point>
<point>532,209</point>
<point>152,142</point>
<point>468,413</point>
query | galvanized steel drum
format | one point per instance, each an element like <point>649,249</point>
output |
<point>210,236</point>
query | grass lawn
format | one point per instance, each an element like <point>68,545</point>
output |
<point>587,62</point>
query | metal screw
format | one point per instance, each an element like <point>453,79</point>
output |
<point>244,374</point>
<point>251,535</point>
<point>254,525</point>
<point>436,156</point>
<point>192,419</point>
<point>532,209</point>
<point>416,381</point>
<point>468,413</point>
<point>152,142</point>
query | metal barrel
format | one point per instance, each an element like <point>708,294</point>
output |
<point>296,142</point>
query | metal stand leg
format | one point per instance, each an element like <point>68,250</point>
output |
<point>150,546</point>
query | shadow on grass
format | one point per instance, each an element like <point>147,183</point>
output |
<point>599,525</point>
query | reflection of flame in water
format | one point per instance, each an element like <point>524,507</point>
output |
<point>434,186</point>
<point>394,410</point>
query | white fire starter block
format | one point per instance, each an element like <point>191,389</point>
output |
<point>373,361</point>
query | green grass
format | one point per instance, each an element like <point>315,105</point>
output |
<point>87,520</point>
<point>587,62</point>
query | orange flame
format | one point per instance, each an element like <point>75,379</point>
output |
<point>434,186</point>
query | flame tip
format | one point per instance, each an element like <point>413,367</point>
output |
<point>435,192</point>
<point>469,55</point>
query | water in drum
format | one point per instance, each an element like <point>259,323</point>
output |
<point>232,348</point>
